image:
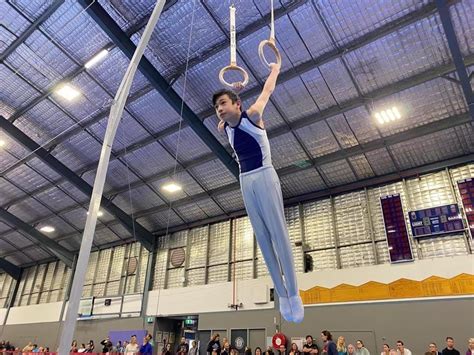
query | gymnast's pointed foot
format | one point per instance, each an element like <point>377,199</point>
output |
<point>297,309</point>
<point>285,308</point>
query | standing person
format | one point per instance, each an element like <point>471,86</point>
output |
<point>183,347</point>
<point>106,345</point>
<point>167,350</point>
<point>294,349</point>
<point>351,350</point>
<point>132,347</point>
<point>146,347</point>
<point>470,347</point>
<point>214,345</point>
<point>401,350</point>
<point>193,350</point>
<point>310,347</point>
<point>261,189</point>
<point>341,345</point>
<point>361,349</point>
<point>385,350</point>
<point>450,350</point>
<point>329,345</point>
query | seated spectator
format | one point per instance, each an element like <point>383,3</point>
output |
<point>450,350</point>
<point>258,351</point>
<point>82,348</point>
<point>248,351</point>
<point>470,347</point>
<point>226,348</point>
<point>361,349</point>
<point>341,346</point>
<point>91,346</point>
<point>385,350</point>
<point>401,350</point>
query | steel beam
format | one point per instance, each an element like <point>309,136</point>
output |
<point>121,40</point>
<point>20,39</point>
<point>456,54</point>
<point>143,235</point>
<point>11,269</point>
<point>62,253</point>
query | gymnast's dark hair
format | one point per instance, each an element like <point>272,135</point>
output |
<point>232,95</point>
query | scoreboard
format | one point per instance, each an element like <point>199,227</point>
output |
<point>436,220</point>
<point>395,228</point>
<point>466,190</point>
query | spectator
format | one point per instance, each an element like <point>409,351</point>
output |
<point>82,348</point>
<point>361,349</point>
<point>470,348</point>
<point>194,349</point>
<point>106,345</point>
<point>385,350</point>
<point>132,347</point>
<point>341,346</point>
<point>28,348</point>
<point>74,347</point>
<point>166,350</point>
<point>450,350</point>
<point>36,350</point>
<point>258,351</point>
<point>351,349</point>
<point>401,350</point>
<point>294,349</point>
<point>226,348</point>
<point>269,351</point>
<point>146,347</point>
<point>183,347</point>
<point>248,351</point>
<point>329,345</point>
<point>310,347</point>
<point>91,347</point>
<point>214,346</point>
<point>433,349</point>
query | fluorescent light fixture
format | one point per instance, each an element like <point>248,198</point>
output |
<point>2,143</point>
<point>171,187</point>
<point>388,115</point>
<point>68,92</point>
<point>96,59</point>
<point>47,229</point>
<point>99,214</point>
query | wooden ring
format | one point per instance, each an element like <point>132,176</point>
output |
<point>236,68</point>
<point>270,43</point>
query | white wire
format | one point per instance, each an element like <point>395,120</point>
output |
<point>178,144</point>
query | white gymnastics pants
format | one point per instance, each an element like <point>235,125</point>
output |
<point>263,201</point>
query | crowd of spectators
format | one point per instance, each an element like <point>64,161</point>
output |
<point>217,347</point>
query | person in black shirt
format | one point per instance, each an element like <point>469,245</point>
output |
<point>310,347</point>
<point>183,347</point>
<point>450,350</point>
<point>214,346</point>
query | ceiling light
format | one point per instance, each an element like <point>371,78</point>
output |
<point>96,59</point>
<point>99,214</point>
<point>2,143</point>
<point>171,187</point>
<point>389,115</point>
<point>68,92</point>
<point>47,229</point>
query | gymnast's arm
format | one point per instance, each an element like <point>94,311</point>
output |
<point>255,111</point>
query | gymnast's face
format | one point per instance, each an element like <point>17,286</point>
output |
<point>226,110</point>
